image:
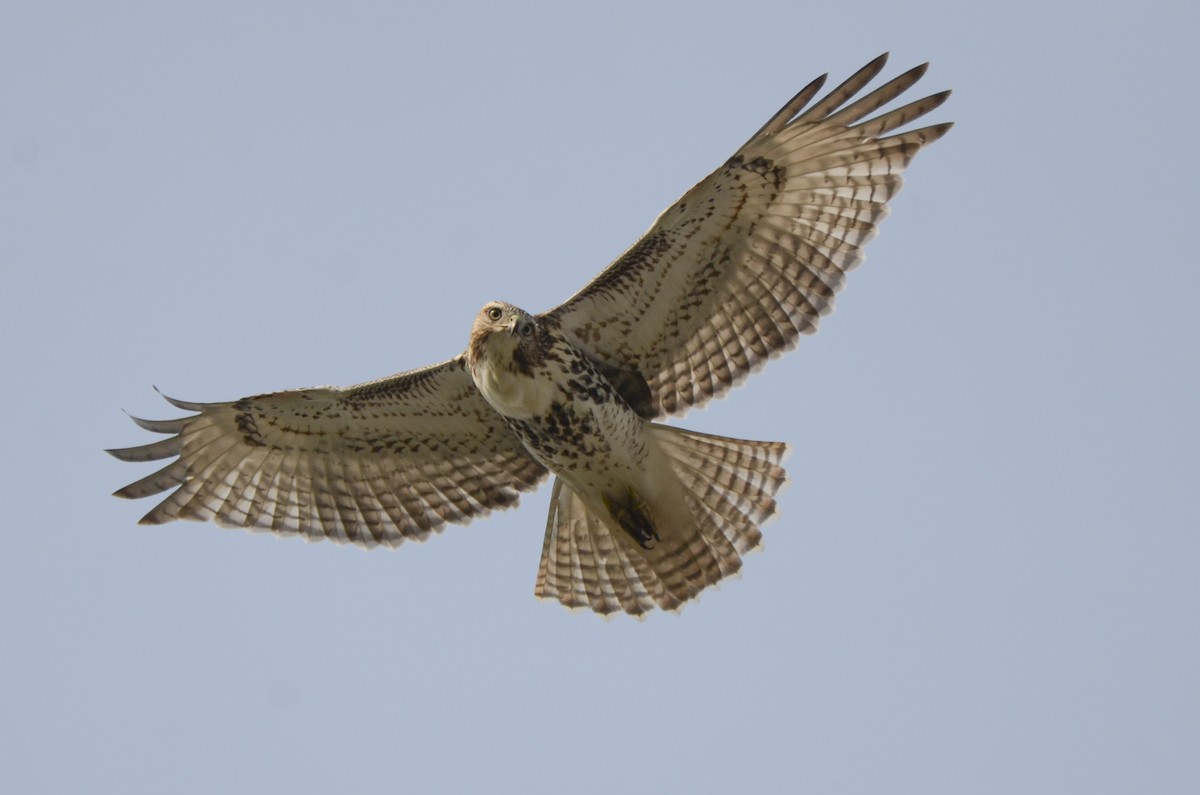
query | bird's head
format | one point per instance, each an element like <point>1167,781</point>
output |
<point>503,330</point>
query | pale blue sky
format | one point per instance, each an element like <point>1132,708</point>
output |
<point>984,578</point>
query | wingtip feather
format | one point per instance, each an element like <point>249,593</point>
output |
<point>186,405</point>
<point>155,451</point>
<point>875,65</point>
<point>159,426</point>
<point>931,134</point>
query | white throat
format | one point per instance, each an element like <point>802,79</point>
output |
<point>510,392</point>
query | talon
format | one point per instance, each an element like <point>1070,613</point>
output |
<point>633,516</point>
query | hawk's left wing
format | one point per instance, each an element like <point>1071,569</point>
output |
<point>751,257</point>
<point>370,464</point>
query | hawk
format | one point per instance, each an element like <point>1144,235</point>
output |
<point>642,515</point>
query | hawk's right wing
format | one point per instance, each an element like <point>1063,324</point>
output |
<point>751,258</point>
<point>370,464</point>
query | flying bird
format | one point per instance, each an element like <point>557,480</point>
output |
<point>642,515</point>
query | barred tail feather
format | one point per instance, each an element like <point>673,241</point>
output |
<point>733,482</point>
<point>708,503</point>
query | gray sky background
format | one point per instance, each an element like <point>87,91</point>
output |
<point>984,578</point>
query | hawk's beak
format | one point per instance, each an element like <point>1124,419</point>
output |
<point>512,326</point>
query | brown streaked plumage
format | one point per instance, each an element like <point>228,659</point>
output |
<point>641,515</point>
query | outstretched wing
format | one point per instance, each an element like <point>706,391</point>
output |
<point>369,464</point>
<point>752,257</point>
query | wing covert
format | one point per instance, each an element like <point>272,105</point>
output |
<point>752,256</point>
<point>370,464</point>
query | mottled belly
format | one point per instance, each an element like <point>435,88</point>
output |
<point>583,441</point>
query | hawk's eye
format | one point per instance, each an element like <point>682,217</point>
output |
<point>525,329</point>
<point>495,313</point>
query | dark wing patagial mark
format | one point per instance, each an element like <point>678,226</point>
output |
<point>631,386</point>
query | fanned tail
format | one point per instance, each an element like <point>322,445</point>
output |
<point>710,497</point>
